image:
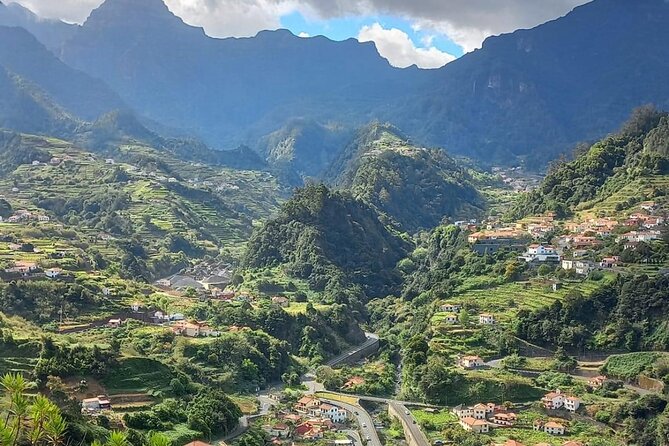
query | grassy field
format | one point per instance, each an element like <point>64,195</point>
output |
<point>629,366</point>
<point>138,375</point>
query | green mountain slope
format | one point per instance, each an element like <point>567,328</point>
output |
<point>143,208</point>
<point>303,146</point>
<point>620,166</point>
<point>412,186</point>
<point>329,238</point>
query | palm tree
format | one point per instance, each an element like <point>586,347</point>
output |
<point>35,421</point>
<point>158,440</point>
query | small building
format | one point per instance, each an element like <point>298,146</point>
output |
<point>471,362</point>
<point>279,430</point>
<point>584,267</point>
<point>110,161</point>
<point>193,329</point>
<point>540,253</point>
<point>353,382</point>
<point>100,402</point>
<point>471,424</point>
<point>553,400</point>
<point>450,318</point>
<point>43,218</point>
<point>572,403</point>
<point>114,323</point>
<point>333,413</point>
<point>554,428</point>
<point>487,319</point>
<point>463,411</point>
<point>52,273</point>
<point>505,418</point>
<point>23,268</point>
<point>480,411</point>
<point>450,308</point>
<point>281,301</point>
<point>597,381</point>
<point>609,262</point>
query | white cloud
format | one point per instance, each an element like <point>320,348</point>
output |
<point>396,46</point>
<point>303,35</point>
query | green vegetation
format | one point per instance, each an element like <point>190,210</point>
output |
<point>604,169</point>
<point>335,242</point>
<point>629,366</point>
<point>412,187</point>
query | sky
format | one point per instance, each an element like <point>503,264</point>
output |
<point>428,33</point>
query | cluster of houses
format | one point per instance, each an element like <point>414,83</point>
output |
<point>452,311</point>
<point>310,419</point>
<point>27,269</point>
<point>480,418</point>
<point>24,216</point>
<point>209,277</point>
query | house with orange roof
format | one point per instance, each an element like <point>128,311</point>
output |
<point>553,400</point>
<point>471,424</point>
<point>550,427</point>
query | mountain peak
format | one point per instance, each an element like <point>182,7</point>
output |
<point>132,13</point>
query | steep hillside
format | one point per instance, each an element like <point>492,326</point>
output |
<point>24,107</point>
<point>413,187</point>
<point>303,146</point>
<point>536,92</point>
<point>332,240</point>
<point>52,33</point>
<point>142,194</point>
<point>628,160</point>
<point>223,89</point>
<point>78,93</point>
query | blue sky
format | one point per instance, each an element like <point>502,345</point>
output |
<point>347,27</point>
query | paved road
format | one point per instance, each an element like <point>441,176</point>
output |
<point>363,418</point>
<point>343,357</point>
<point>414,430</point>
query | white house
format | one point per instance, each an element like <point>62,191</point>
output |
<point>114,323</point>
<point>334,413</point>
<point>110,161</point>
<point>541,253</point>
<point>52,273</point>
<point>471,424</point>
<point>487,319</point>
<point>584,267</point>
<point>463,411</point>
<point>553,400</point>
<point>43,218</point>
<point>571,403</point>
<point>450,318</point>
<point>471,362</point>
<point>480,411</point>
<point>568,264</point>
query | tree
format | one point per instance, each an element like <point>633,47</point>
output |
<point>29,420</point>
<point>464,318</point>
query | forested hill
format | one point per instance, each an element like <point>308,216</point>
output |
<point>334,241</point>
<point>623,164</point>
<point>412,186</point>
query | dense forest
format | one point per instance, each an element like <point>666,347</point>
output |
<point>638,150</point>
<point>332,240</point>
<point>629,314</point>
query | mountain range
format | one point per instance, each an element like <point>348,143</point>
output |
<point>528,95</point>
